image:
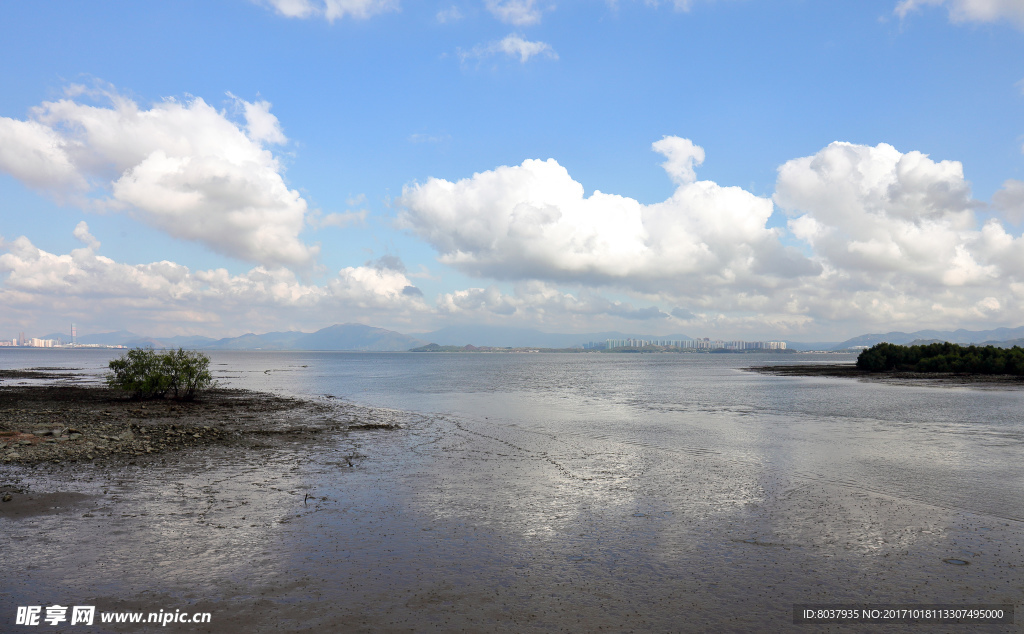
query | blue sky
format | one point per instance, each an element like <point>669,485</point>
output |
<point>830,168</point>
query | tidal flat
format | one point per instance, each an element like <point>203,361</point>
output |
<point>552,503</point>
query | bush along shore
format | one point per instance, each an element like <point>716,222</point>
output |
<point>942,357</point>
<point>947,363</point>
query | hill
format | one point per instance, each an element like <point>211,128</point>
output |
<point>995,336</point>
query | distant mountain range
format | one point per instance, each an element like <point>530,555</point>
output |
<point>359,337</point>
<point>997,336</point>
<point>338,337</point>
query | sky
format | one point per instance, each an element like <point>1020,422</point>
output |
<point>806,170</point>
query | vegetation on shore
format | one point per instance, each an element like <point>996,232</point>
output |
<point>942,357</point>
<point>145,374</point>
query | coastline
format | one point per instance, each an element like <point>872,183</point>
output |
<point>847,370</point>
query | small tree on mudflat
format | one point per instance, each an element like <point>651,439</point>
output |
<point>145,374</point>
<point>138,373</point>
<point>188,372</point>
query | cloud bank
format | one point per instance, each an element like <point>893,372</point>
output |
<point>166,294</point>
<point>873,236</point>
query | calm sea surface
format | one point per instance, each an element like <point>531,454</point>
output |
<point>957,448</point>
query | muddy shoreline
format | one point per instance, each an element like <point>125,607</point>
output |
<point>848,370</point>
<point>74,423</point>
<point>63,427</point>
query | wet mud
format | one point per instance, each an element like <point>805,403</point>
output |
<point>79,423</point>
<point>387,521</point>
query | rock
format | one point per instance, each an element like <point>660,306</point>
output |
<point>74,436</point>
<point>24,442</point>
<point>7,497</point>
<point>128,435</point>
<point>13,455</point>
<point>41,432</point>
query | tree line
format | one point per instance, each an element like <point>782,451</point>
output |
<point>942,357</point>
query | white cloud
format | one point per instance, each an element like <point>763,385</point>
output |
<point>898,240</point>
<point>1010,200</point>
<point>38,156</point>
<point>262,126</point>
<point>874,209</point>
<point>451,14</point>
<point>539,302</point>
<point>533,221</point>
<point>343,220</point>
<point>82,234</point>
<point>170,295</point>
<point>891,238</point>
<point>184,168</point>
<point>970,10</point>
<point>517,12</point>
<point>332,10</point>
<point>682,157</point>
<point>512,45</point>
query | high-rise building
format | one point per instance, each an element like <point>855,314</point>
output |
<point>74,335</point>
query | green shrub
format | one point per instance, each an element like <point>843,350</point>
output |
<point>145,374</point>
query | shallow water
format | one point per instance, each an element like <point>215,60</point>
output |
<point>537,491</point>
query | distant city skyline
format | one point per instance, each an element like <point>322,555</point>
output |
<point>738,170</point>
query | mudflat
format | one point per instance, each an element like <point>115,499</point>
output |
<point>76,423</point>
<point>319,515</point>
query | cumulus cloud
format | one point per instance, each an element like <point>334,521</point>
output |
<point>533,221</point>
<point>182,167</point>
<point>512,45</point>
<point>897,237</point>
<point>518,12</point>
<point>970,10</point>
<point>38,156</point>
<point>89,284</point>
<point>682,157</point>
<point>332,10</point>
<point>885,238</point>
